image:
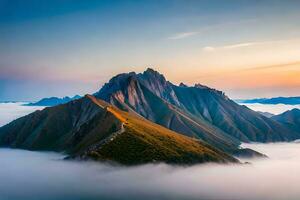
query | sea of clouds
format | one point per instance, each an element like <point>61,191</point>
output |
<point>46,176</point>
<point>270,108</point>
<point>11,111</point>
<point>42,175</point>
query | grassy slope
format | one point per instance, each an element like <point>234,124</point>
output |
<point>144,141</point>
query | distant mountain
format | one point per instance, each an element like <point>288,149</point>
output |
<point>290,118</point>
<point>266,114</point>
<point>197,111</point>
<point>89,128</point>
<point>53,101</point>
<point>275,100</point>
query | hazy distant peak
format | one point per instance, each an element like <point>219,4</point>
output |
<point>295,110</point>
<point>53,101</point>
<point>274,100</point>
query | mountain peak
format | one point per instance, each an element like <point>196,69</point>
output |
<point>295,110</point>
<point>117,83</point>
<point>182,85</point>
<point>154,74</point>
<point>151,70</point>
<point>198,85</point>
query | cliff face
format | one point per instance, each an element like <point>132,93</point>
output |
<point>90,128</point>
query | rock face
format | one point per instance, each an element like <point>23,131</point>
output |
<point>89,128</point>
<point>290,118</point>
<point>127,93</point>
<point>198,111</point>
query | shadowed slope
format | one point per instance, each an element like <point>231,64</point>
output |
<point>290,118</point>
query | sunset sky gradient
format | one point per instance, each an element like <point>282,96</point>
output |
<point>247,48</point>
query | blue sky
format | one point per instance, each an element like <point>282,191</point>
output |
<point>58,48</point>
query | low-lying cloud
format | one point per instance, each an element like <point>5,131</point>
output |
<point>39,175</point>
<point>271,108</point>
<point>36,175</point>
<point>11,111</point>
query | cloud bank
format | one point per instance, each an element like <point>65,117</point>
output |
<point>271,108</point>
<point>36,175</point>
<point>43,175</point>
<point>12,111</point>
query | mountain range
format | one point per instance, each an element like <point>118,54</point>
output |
<point>141,117</point>
<point>53,101</point>
<point>274,100</point>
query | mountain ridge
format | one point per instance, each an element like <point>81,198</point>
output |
<point>53,101</point>
<point>209,105</point>
<point>275,100</point>
<point>90,128</point>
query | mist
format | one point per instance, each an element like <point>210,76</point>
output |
<point>44,175</point>
<point>12,111</point>
<point>271,108</point>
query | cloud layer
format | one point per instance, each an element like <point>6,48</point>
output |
<point>271,108</point>
<point>12,111</point>
<point>32,175</point>
<point>42,175</point>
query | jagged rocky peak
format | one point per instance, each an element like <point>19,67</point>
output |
<point>198,85</point>
<point>158,84</point>
<point>121,78</point>
<point>221,93</point>
<point>182,85</point>
<point>115,84</point>
<point>153,75</point>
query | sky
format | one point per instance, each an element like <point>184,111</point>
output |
<point>247,48</point>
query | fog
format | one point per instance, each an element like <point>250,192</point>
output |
<point>271,108</point>
<point>46,176</point>
<point>11,111</point>
<point>36,175</point>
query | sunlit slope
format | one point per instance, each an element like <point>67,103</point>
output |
<point>143,141</point>
<point>91,128</point>
<point>67,127</point>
